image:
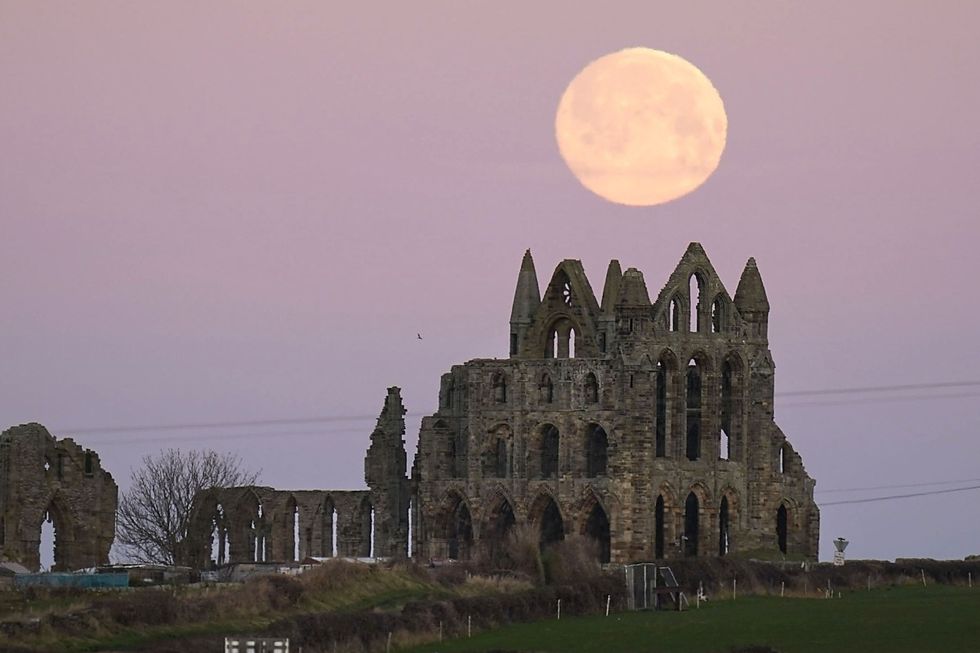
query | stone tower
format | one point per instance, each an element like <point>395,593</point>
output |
<point>385,475</point>
<point>646,425</point>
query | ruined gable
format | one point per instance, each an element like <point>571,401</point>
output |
<point>41,478</point>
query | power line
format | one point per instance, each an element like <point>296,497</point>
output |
<point>880,388</point>
<point>900,496</point>
<point>222,436</point>
<point>879,400</point>
<point>894,487</point>
<point>352,418</point>
<point>224,424</point>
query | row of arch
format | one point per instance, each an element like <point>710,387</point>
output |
<point>551,525</point>
<point>243,529</point>
<point>684,314</point>
<point>542,459</point>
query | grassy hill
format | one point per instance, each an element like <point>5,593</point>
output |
<point>889,620</point>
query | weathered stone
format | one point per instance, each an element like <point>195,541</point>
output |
<point>627,421</point>
<point>647,426</point>
<point>43,477</point>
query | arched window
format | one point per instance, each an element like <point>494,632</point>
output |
<point>596,451</point>
<point>658,528</point>
<point>494,534</point>
<point>551,527</point>
<point>717,317</point>
<point>723,528</point>
<point>781,527</point>
<point>597,528</point>
<point>501,458</point>
<point>694,302</point>
<point>591,389</point>
<point>549,452</point>
<point>693,411</point>
<point>499,388</point>
<point>782,459</point>
<point>727,408</point>
<point>674,315</point>
<point>459,533</point>
<point>546,389</point>
<point>561,340</point>
<point>660,424</point>
<point>691,524</point>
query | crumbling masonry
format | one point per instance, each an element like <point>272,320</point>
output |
<point>644,425</point>
<point>45,478</point>
<point>258,524</point>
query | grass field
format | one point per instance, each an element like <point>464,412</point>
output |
<point>894,620</point>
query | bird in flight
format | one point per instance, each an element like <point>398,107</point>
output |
<point>419,335</point>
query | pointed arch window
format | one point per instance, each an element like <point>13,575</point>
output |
<point>724,543</point>
<point>674,315</point>
<point>596,451</point>
<point>660,424</point>
<point>694,287</point>
<point>717,316</point>
<point>693,448</point>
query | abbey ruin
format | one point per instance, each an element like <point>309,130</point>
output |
<point>43,478</point>
<point>644,425</point>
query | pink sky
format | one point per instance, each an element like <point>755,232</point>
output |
<point>238,211</point>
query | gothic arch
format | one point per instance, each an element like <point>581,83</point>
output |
<point>665,400</point>
<point>456,525</point>
<point>543,453</point>
<point>499,519</point>
<point>596,449</point>
<point>62,518</point>
<point>547,517</point>
<point>498,452</point>
<point>595,522</point>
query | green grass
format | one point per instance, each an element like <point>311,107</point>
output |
<point>894,620</point>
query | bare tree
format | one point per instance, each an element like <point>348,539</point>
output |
<point>154,514</point>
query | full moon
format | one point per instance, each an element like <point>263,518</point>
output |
<point>641,127</point>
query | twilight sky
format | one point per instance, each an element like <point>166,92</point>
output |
<point>218,212</point>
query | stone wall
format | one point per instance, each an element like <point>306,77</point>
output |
<point>647,425</point>
<point>255,524</point>
<point>41,478</point>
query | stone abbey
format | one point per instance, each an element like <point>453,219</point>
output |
<point>644,425</point>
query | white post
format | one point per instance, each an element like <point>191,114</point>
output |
<point>469,626</point>
<point>970,578</point>
<point>559,610</point>
<point>699,600</point>
<point>608,601</point>
<point>782,589</point>
<point>734,584</point>
<point>388,645</point>
<point>923,572</point>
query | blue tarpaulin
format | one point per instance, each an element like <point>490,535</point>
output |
<point>71,580</point>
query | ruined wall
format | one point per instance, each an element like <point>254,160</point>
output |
<point>645,425</point>
<point>255,524</point>
<point>43,477</point>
